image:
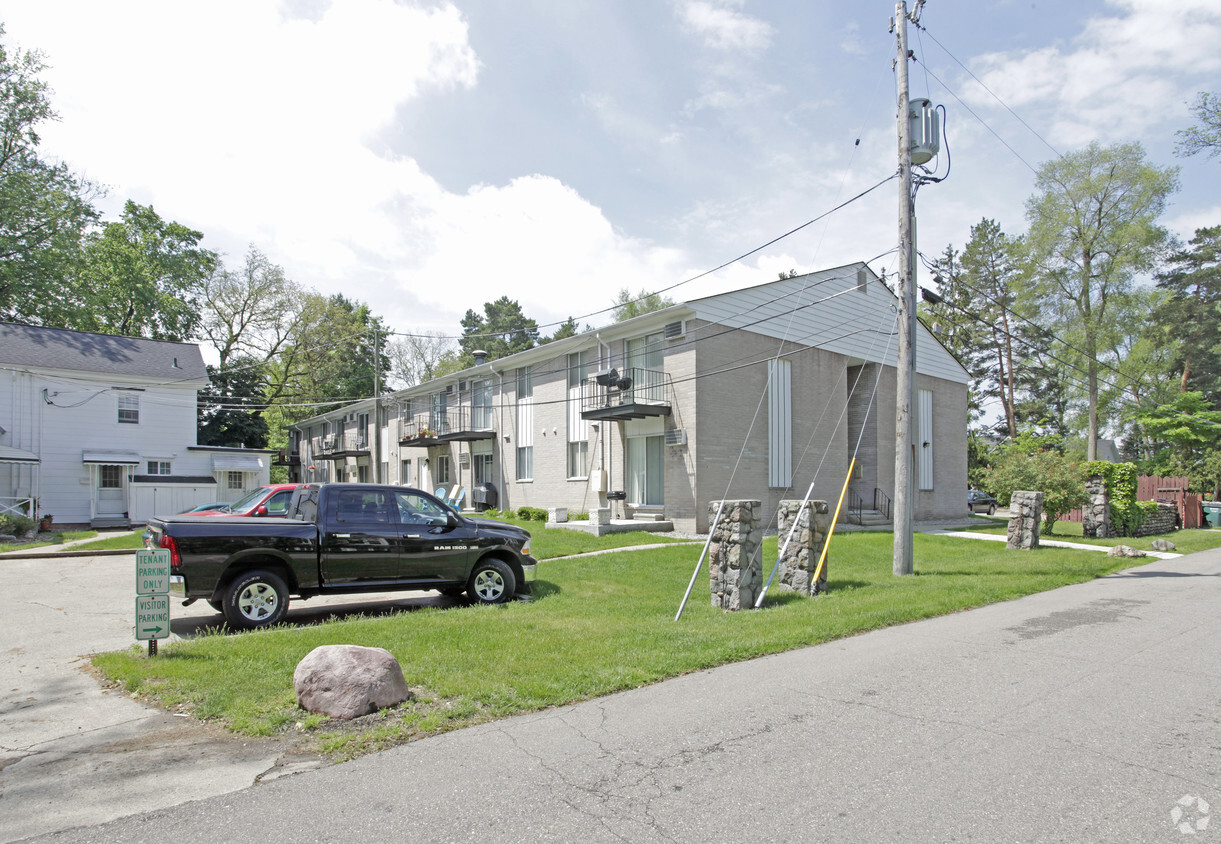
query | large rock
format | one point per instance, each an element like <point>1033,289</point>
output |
<point>347,681</point>
<point>1163,545</point>
<point>1125,551</point>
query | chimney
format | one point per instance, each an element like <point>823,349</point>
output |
<point>481,357</point>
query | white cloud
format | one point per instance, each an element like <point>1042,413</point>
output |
<point>1124,72</point>
<point>723,28</point>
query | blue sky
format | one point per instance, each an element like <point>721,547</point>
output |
<point>428,157</point>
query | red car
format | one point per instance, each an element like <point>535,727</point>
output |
<point>264,501</point>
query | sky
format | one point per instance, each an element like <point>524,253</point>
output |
<point>428,157</point>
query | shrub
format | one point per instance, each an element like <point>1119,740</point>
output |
<point>16,525</point>
<point>1033,463</point>
<point>531,514</point>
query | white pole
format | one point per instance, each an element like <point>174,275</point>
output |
<point>905,388</point>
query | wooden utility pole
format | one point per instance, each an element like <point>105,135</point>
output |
<point>905,387</point>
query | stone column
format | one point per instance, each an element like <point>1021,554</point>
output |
<point>1025,518</point>
<point>1096,515</point>
<point>800,559</point>
<point>734,554</point>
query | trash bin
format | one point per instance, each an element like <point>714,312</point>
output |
<point>1212,514</point>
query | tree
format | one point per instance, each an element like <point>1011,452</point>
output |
<point>142,277</point>
<point>567,328</point>
<point>627,306</point>
<point>250,312</point>
<point>501,330</point>
<point>1093,227</point>
<point>230,407</point>
<point>416,358</point>
<point>45,208</point>
<point>1191,314</point>
<point>1206,136</point>
<point>1189,429</point>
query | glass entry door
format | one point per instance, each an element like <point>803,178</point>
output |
<point>646,480</point>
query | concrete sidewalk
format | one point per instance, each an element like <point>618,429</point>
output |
<point>1088,713</point>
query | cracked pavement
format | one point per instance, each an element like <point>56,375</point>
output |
<point>1088,713</point>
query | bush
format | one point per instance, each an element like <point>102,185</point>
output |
<point>578,517</point>
<point>531,514</point>
<point>16,525</point>
<point>1033,463</point>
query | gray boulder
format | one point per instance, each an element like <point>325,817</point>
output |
<point>1163,545</point>
<point>1125,551</point>
<point>347,681</point>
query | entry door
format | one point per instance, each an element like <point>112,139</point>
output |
<point>645,471</point>
<point>111,499</point>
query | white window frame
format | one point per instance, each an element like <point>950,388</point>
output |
<point>129,409</point>
<point>158,467</point>
<point>525,423</point>
<point>578,428</point>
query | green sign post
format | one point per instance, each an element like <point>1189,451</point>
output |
<point>152,596</point>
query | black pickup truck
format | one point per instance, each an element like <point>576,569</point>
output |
<point>339,539</point>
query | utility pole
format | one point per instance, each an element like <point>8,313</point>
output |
<point>905,387</point>
<point>377,412</point>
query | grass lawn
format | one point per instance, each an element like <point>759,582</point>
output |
<point>597,625</point>
<point>1185,541</point>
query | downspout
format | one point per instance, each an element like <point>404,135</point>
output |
<point>500,448</point>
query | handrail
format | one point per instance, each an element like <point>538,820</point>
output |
<point>856,509</point>
<point>881,502</point>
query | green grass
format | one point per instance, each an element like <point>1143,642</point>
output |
<point>547,544</point>
<point>1185,541</point>
<point>126,540</point>
<point>597,625</point>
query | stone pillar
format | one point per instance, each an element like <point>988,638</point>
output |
<point>1025,518</point>
<point>557,515</point>
<point>734,554</point>
<point>800,559</point>
<point>1096,515</point>
<point>600,516</point>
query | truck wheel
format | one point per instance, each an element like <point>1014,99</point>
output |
<point>256,599</point>
<point>492,582</point>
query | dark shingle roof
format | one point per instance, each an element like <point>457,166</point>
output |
<point>59,348</point>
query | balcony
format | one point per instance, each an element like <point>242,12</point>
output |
<point>352,444</point>
<point>633,394</point>
<point>287,458</point>
<point>459,425</point>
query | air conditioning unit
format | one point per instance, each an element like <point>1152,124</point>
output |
<point>449,389</point>
<point>676,436</point>
<point>674,330</point>
<point>462,386</point>
<point>464,460</point>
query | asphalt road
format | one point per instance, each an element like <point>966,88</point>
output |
<point>1089,713</point>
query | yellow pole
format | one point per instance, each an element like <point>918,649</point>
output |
<point>822,558</point>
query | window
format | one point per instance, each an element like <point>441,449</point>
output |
<point>405,473</point>
<point>438,418</point>
<point>362,430</point>
<point>362,473</point>
<point>525,423</point>
<point>110,477</point>
<point>443,469</point>
<point>129,409</point>
<point>158,467</point>
<point>233,480</point>
<point>646,471</point>
<point>366,506</point>
<point>578,429</point>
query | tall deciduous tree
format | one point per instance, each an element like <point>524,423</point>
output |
<point>628,305</point>
<point>1093,227</point>
<point>251,311</point>
<point>416,358</point>
<point>1205,136</point>
<point>142,276</point>
<point>45,208</point>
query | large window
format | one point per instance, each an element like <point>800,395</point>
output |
<point>578,428</point>
<point>129,409</point>
<point>646,471</point>
<point>525,423</point>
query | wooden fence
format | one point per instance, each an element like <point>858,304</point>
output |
<point>1154,488</point>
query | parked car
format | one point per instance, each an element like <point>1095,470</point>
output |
<point>341,539</point>
<point>214,505</point>
<point>980,502</point>
<point>265,501</point>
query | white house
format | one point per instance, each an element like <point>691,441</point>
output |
<point>100,430</point>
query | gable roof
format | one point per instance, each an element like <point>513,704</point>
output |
<point>107,354</point>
